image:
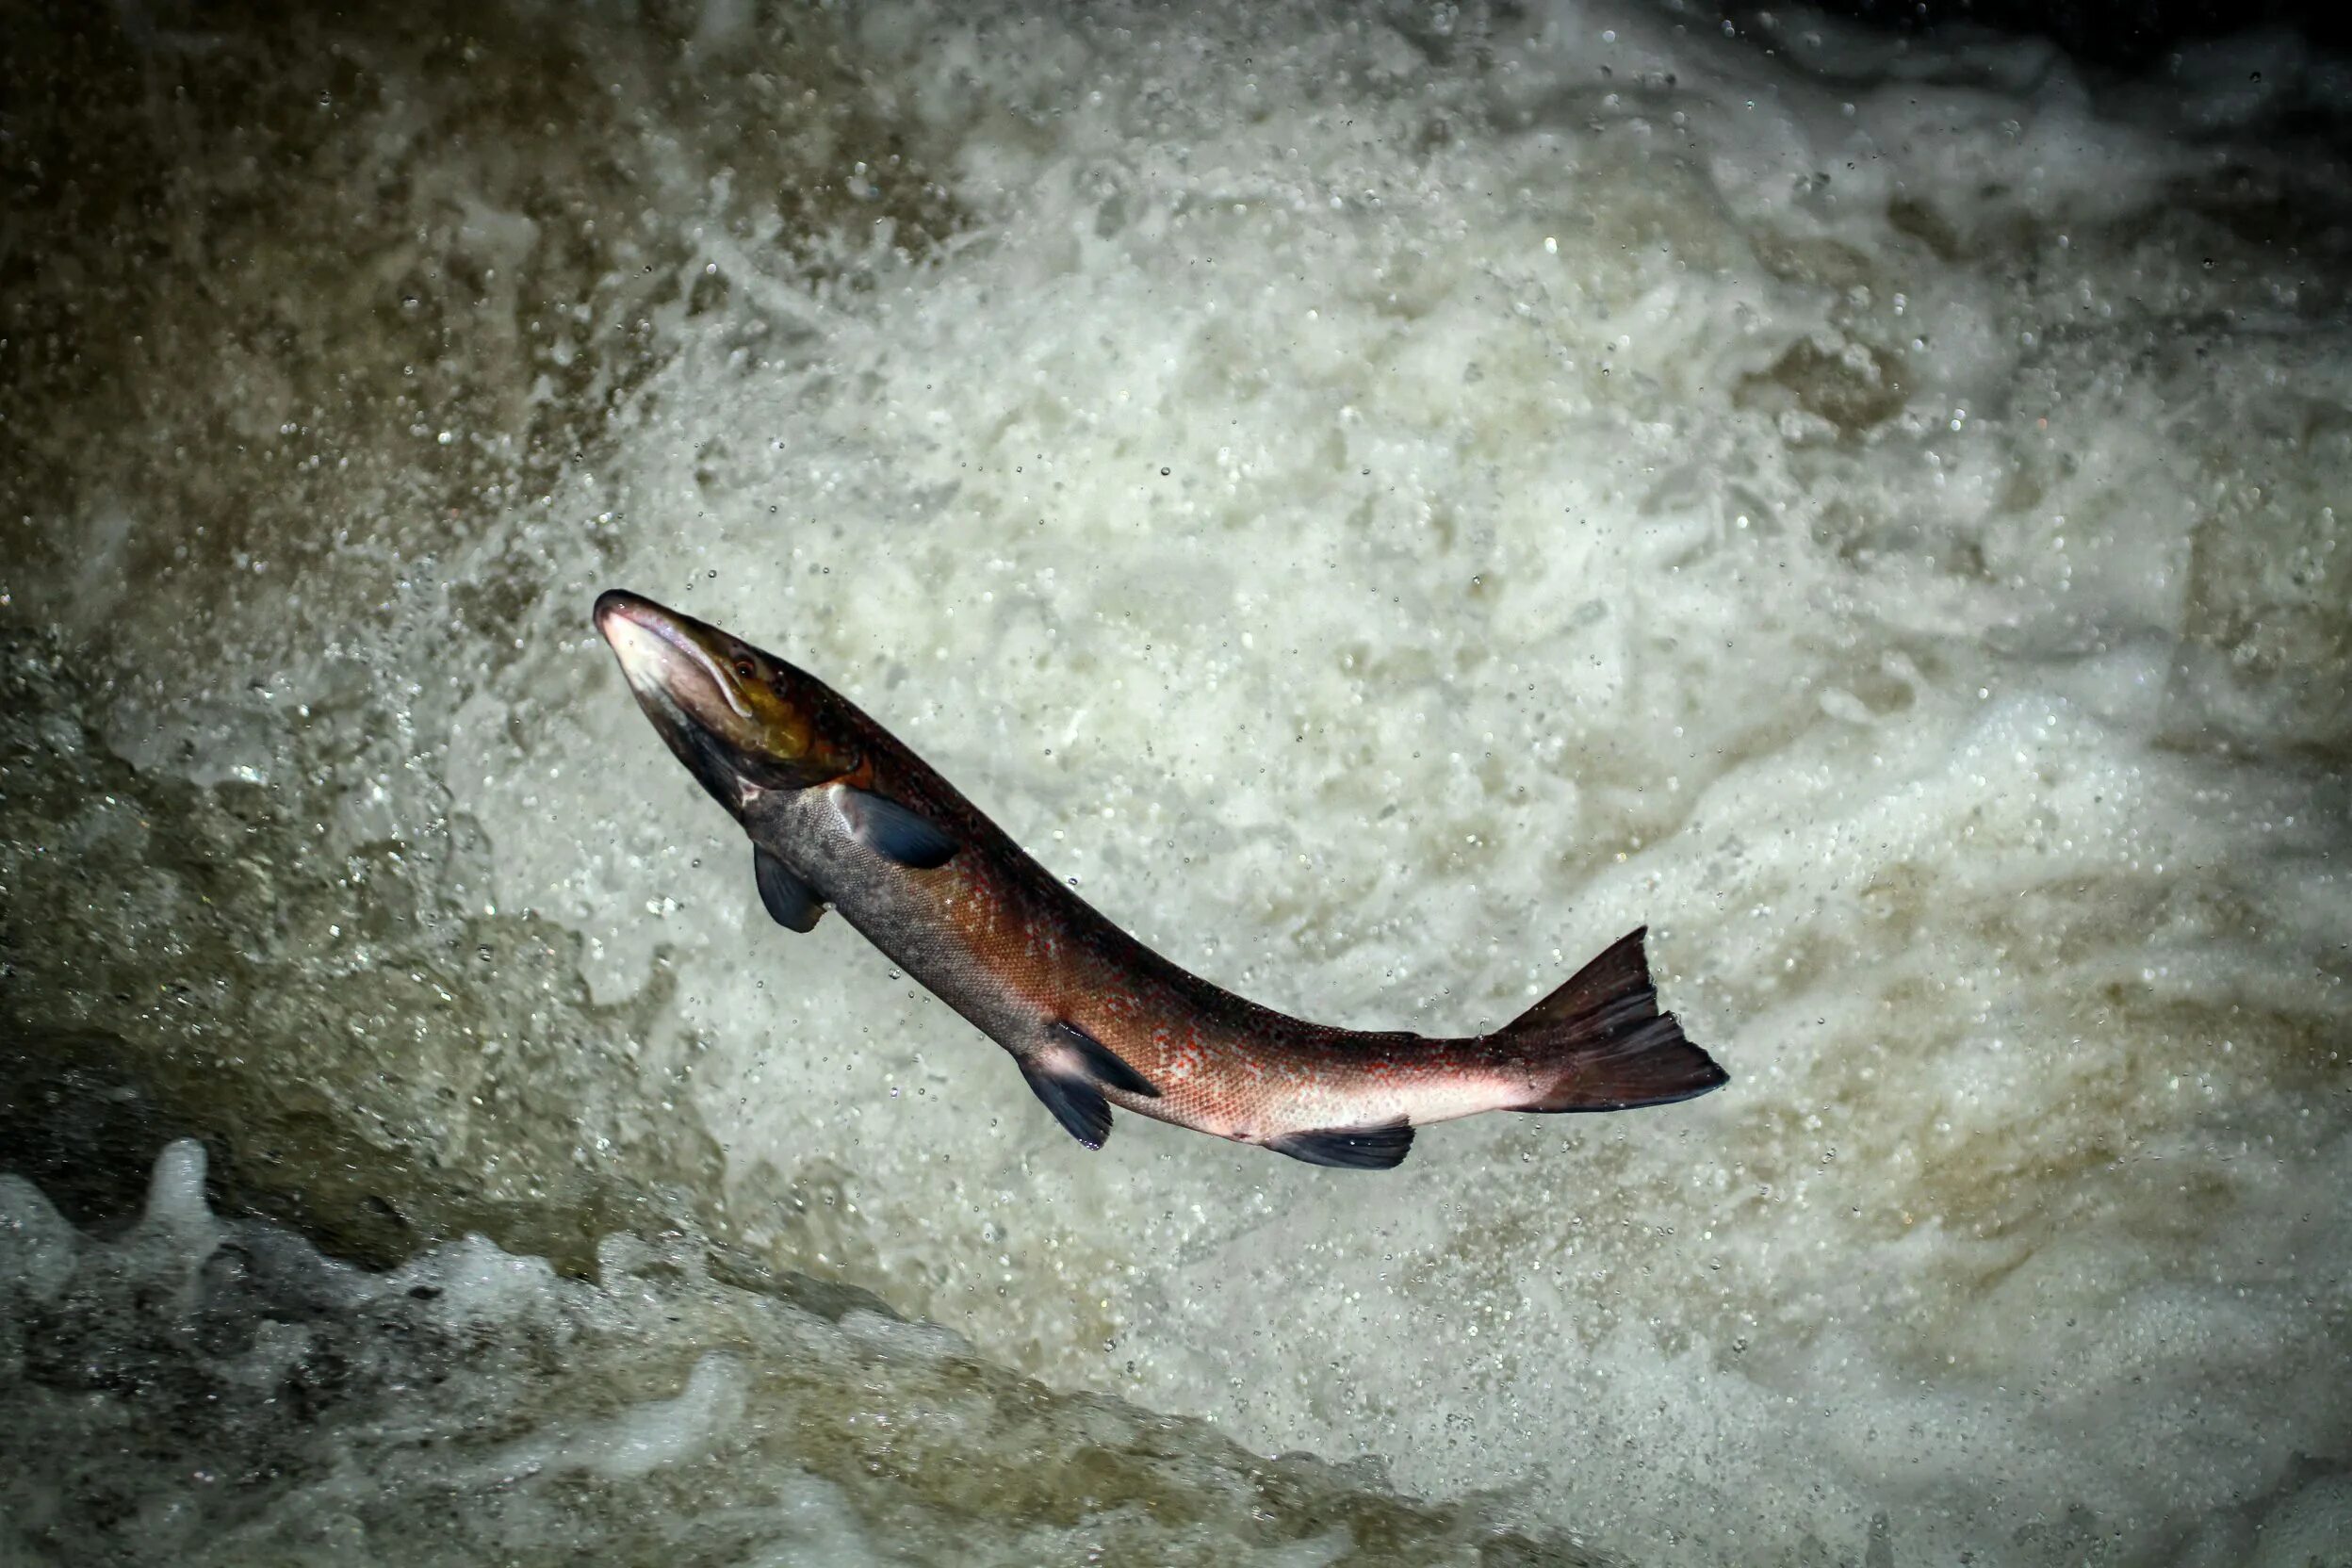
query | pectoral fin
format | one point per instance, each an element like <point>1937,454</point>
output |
<point>793,902</point>
<point>1077,1105</point>
<point>893,831</point>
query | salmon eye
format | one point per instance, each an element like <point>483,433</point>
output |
<point>744,669</point>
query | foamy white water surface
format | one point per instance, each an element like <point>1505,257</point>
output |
<point>201,1391</point>
<point>1384,503</point>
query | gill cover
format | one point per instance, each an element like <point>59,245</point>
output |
<point>739,718</point>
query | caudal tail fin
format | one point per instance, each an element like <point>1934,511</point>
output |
<point>1611,1047</point>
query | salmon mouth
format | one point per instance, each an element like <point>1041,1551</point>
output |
<point>661,656</point>
<point>678,678</point>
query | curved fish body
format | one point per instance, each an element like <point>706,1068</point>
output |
<point>840,815</point>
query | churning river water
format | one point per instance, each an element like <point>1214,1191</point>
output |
<point>1382,499</point>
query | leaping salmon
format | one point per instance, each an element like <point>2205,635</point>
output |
<point>840,815</point>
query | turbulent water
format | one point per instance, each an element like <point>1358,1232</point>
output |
<point>1384,500</point>
<point>257,1402</point>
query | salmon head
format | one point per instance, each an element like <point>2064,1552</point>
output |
<point>740,719</point>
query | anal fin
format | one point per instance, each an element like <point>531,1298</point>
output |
<point>790,901</point>
<point>1380,1147</point>
<point>1077,1105</point>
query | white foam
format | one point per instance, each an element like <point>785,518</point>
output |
<point>176,1193</point>
<point>1380,578</point>
<point>485,1281</point>
<point>1388,506</point>
<point>429,1416</point>
<point>37,1249</point>
<point>641,1439</point>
